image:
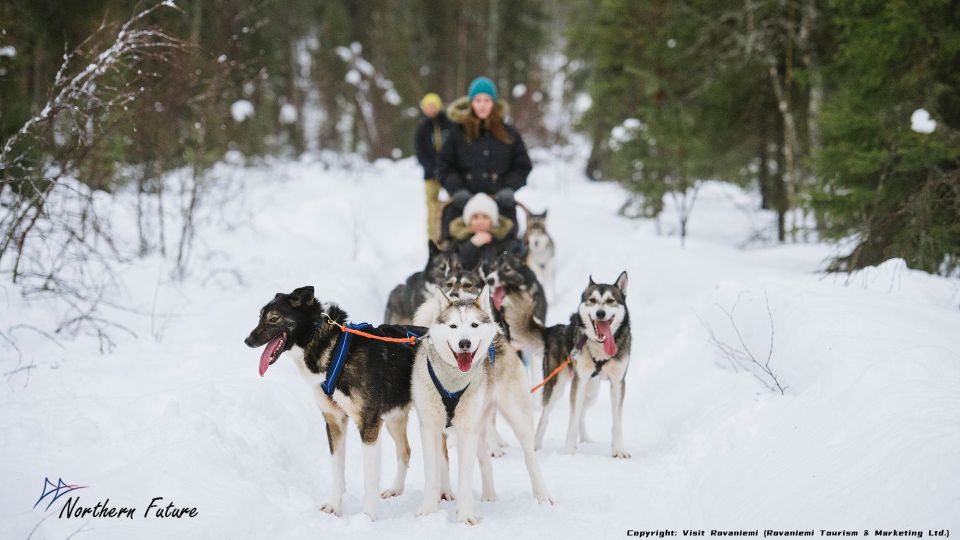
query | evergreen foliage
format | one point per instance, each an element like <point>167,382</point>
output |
<point>809,100</point>
<point>895,189</point>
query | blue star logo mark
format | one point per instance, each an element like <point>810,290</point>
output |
<point>59,490</point>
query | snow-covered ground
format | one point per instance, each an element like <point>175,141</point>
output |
<point>867,435</point>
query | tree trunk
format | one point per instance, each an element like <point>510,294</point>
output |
<point>493,33</point>
<point>295,130</point>
<point>763,175</point>
<point>779,191</point>
<point>462,44</point>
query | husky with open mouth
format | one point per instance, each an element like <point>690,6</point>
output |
<point>354,377</point>
<point>465,370</point>
<point>464,284</point>
<point>510,276</point>
<point>597,340</point>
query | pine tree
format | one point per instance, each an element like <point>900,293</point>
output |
<point>894,189</point>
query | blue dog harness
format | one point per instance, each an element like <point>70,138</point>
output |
<point>451,399</point>
<point>343,347</point>
<point>336,367</point>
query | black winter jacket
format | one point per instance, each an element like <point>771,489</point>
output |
<point>425,142</point>
<point>485,165</point>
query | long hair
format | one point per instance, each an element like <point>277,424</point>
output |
<point>494,123</point>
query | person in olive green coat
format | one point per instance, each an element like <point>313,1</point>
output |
<point>482,233</point>
<point>431,133</point>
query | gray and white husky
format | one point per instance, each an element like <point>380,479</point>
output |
<point>463,371</point>
<point>459,284</point>
<point>541,252</point>
<point>597,340</point>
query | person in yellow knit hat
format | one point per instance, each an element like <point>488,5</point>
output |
<point>431,133</point>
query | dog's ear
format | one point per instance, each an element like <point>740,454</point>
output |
<point>592,282</point>
<point>544,213</point>
<point>443,301</point>
<point>434,248</point>
<point>622,282</point>
<point>483,300</point>
<point>302,297</point>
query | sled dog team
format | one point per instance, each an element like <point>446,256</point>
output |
<point>451,348</point>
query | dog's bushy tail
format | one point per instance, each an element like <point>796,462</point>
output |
<point>393,314</point>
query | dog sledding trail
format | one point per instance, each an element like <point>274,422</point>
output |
<point>865,435</point>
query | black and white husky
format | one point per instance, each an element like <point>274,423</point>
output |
<point>597,340</point>
<point>509,276</point>
<point>405,298</point>
<point>463,371</point>
<point>364,380</point>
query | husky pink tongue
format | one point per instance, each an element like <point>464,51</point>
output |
<point>606,335</point>
<point>269,352</point>
<point>464,361</point>
<point>498,295</point>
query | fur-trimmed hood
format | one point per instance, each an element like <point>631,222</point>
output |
<point>460,109</point>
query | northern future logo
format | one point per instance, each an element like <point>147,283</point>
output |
<point>58,490</point>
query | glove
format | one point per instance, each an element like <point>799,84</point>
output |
<point>505,199</point>
<point>460,198</point>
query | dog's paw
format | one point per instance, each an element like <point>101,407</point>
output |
<point>469,519</point>
<point>497,453</point>
<point>570,449</point>
<point>488,497</point>
<point>621,454</point>
<point>427,509</point>
<point>544,498</point>
<point>330,508</point>
<point>391,493</point>
<point>446,495</point>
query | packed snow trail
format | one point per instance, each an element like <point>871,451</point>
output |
<point>867,435</point>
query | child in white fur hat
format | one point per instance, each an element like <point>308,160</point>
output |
<point>481,233</point>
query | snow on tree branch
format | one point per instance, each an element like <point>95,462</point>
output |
<point>53,238</point>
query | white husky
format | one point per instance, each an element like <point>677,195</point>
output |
<point>463,371</point>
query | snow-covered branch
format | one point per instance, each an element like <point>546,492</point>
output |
<point>53,240</point>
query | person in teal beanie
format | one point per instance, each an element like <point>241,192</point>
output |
<point>482,85</point>
<point>483,154</point>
